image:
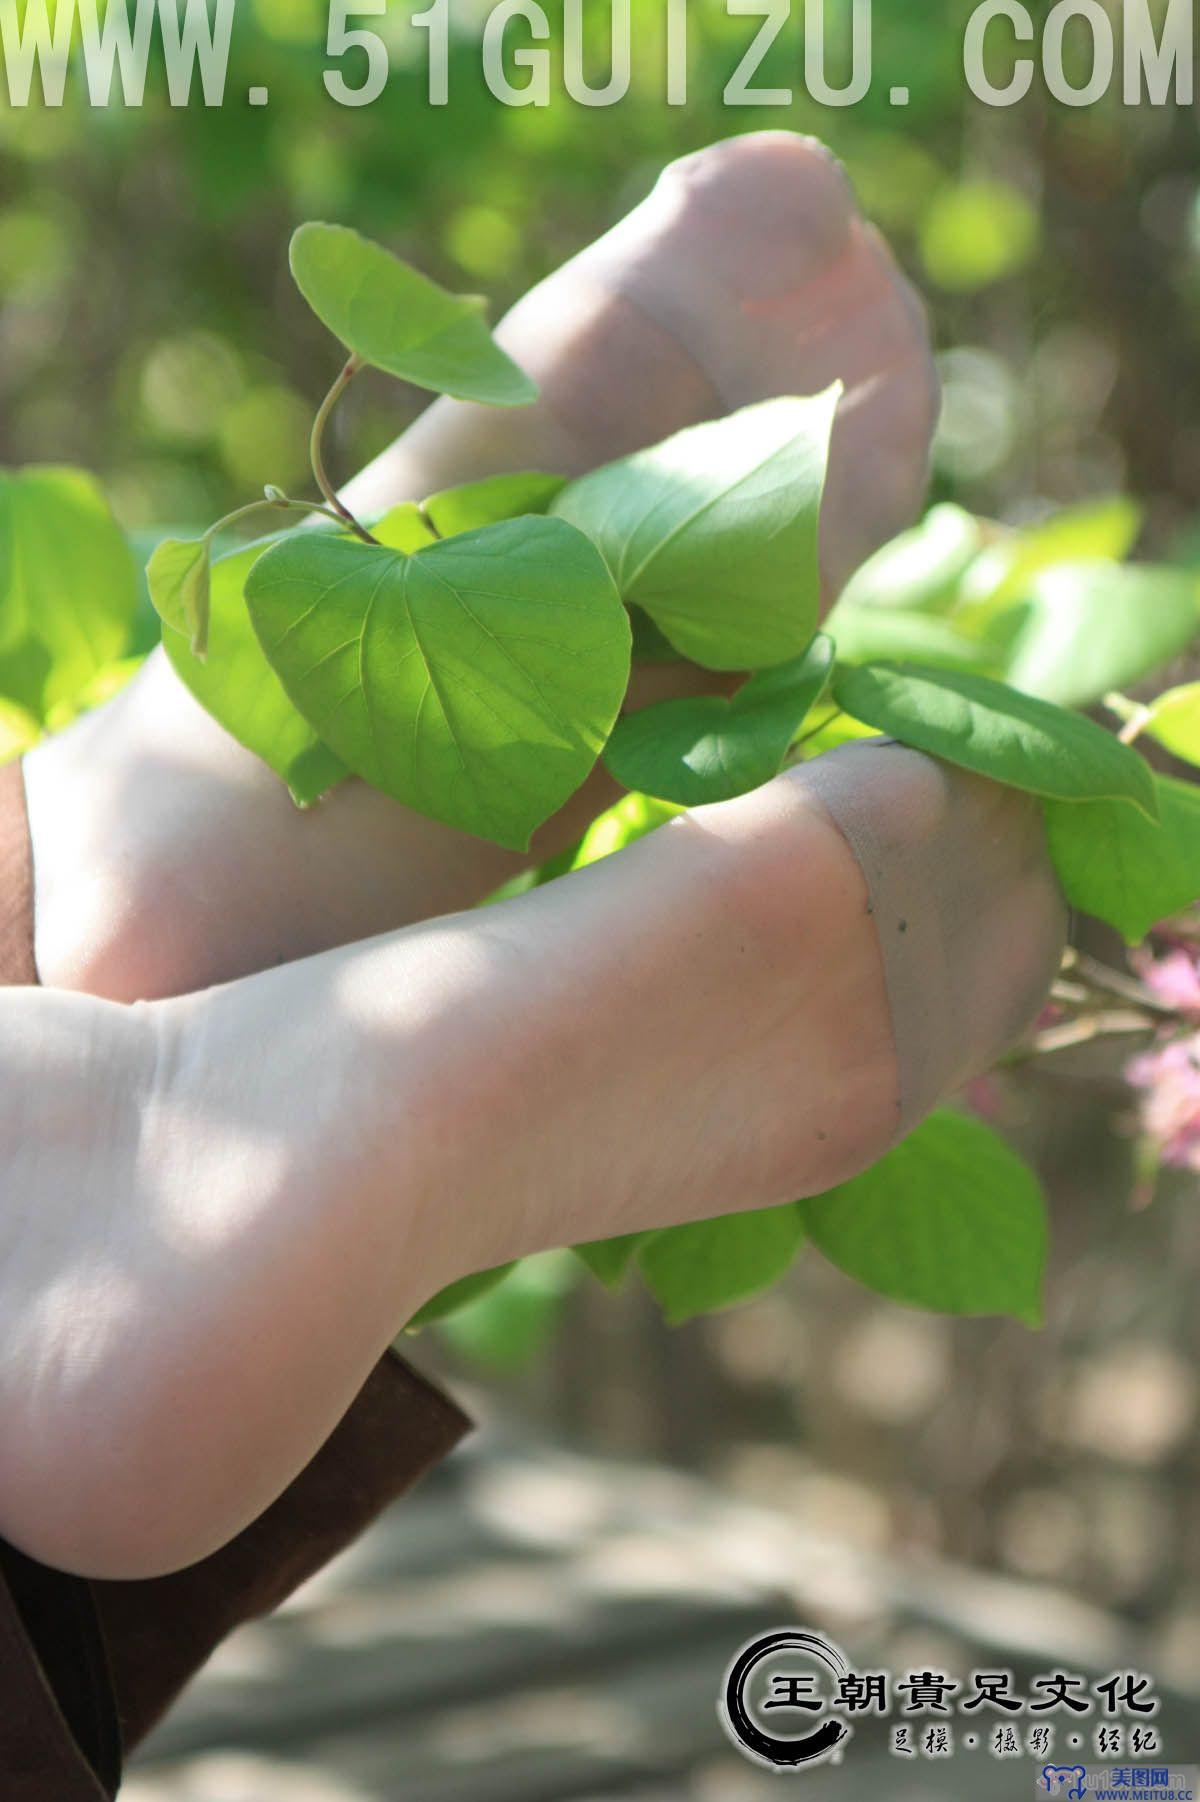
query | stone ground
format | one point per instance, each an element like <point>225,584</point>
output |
<point>538,1627</point>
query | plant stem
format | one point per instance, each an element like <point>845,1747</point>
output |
<point>281,504</point>
<point>1132,731</point>
<point>317,448</point>
<point>1099,976</point>
<point>798,744</point>
<point>1087,1031</point>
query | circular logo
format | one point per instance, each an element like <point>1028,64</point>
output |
<point>783,1678</point>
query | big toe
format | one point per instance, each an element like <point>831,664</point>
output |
<point>735,222</point>
<point>753,257</point>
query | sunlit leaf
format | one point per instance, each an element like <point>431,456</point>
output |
<point>19,731</point>
<point>1097,531</point>
<point>396,319</point>
<point>714,532</point>
<point>242,692</point>
<point>478,504</point>
<point>402,528</point>
<point>630,818</point>
<point>476,681</point>
<point>1091,627</point>
<point>179,579</point>
<point>105,684</point>
<point>920,570</point>
<point>1174,722</point>
<point>68,587</point>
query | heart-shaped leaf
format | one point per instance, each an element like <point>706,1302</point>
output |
<point>242,692</point>
<point>478,504</point>
<point>992,729</point>
<point>68,588</point>
<point>1118,866</point>
<point>704,748</point>
<point>179,579</point>
<point>396,319</point>
<point>951,1219</point>
<point>476,681</point>
<point>715,1264</point>
<point>714,532</point>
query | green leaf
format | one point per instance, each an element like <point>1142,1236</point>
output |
<point>950,1219</point>
<point>1174,722</point>
<point>179,578</point>
<point>242,692</point>
<point>19,731</point>
<point>402,528</point>
<point>506,1328</point>
<point>1104,530</point>
<point>105,684</point>
<point>866,633</point>
<point>649,644</point>
<point>715,1264</point>
<point>921,570</point>
<point>631,818</point>
<point>68,587</point>
<point>458,1296</point>
<point>476,681</point>
<point>833,729</point>
<point>705,748</point>
<point>1092,627</point>
<point>714,532</point>
<point>992,729</point>
<point>396,319</point>
<point>478,504</point>
<point>609,1259</point>
<point>1118,866</point>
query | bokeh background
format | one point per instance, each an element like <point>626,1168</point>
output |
<point>925,1487</point>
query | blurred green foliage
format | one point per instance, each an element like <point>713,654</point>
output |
<point>148,330</point>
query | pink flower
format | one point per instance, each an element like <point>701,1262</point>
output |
<point>1174,979</point>
<point>1169,1078</point>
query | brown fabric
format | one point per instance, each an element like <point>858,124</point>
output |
<point>159,1633</point>
<point>86,1669</point>
<point>40,1757</point>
